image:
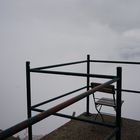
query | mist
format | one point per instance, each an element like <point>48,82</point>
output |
<point>49,32</point>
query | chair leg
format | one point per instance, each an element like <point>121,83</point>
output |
<point>99,113</point>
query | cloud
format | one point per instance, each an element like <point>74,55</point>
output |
<point>133,35</point>
<point>84,26</point>
<point>51,31</point>
<point>129,45</point>
<point>120,15</point>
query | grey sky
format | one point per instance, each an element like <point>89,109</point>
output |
<point>81,25</point>
<point>53,31</point>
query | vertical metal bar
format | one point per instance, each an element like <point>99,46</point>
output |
<point>88,83</point>
<point>118,110</point>
<point>28,86</point>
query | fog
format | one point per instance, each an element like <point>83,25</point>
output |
<point>49,32</point>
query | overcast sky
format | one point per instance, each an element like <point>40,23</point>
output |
<point>37,28</point>
<point>54,31</point>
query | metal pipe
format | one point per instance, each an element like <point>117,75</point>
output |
<point>133,91</point>
<point>119,100</point>
<point>60,65</point>
<point>119,62</point>
<point>14,129</point>
<point>85,120</point>
<point>29,113</point>
<point>73,74</point>
<point>88,83</point>
<point>55,98</point>
<point>79,119</point>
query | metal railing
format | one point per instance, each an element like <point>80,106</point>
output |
<point>53,111</point>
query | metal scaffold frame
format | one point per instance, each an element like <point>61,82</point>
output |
<point>53,111</point>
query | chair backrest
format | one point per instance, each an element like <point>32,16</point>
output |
<point>108,88</point>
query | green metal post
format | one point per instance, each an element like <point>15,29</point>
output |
<point>28,84</point>
<point>119,99</point>
<point>88,82</point>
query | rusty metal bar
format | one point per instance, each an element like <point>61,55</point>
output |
<point>13,130</point>
<point>60,65</point>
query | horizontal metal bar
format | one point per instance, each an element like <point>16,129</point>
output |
<point>79,119</point>
<point>14,129</point>
<point>73,74</point>
<point>112,134</point>
<point>119,62</point>
<point>60,65</point>
<point>85,120</point>
<point>133,91</point>
<point>55,98</point>
<point>38,110</point>
<point>78,62</point>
